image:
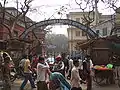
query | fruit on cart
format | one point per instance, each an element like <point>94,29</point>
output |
<point>110,66</point>
<point>97,66</point>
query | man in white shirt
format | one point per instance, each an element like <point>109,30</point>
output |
<point>42,68</point>
<point>80,64</point>
<point>75,78</point>
<point>59,65</point>
<point>70,68</point>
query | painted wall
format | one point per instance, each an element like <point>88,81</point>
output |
<point>78,16</point>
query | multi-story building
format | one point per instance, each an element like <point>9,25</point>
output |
<point>104,28</point>
<point>6,18</point>
<point>110,26</point>
<point>5,28</point>
<point>117,22</point>
<point>9,16</point>
<point>75,35</point>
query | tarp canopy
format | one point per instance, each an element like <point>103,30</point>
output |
<point>115,47</point>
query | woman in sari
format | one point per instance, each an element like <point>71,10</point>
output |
<point>58,81</point>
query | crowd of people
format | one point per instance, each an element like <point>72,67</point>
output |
<point>77,72</point>
<point>66,74</point>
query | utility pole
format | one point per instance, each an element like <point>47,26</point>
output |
<point>17,6</point>
<point>96,12</point>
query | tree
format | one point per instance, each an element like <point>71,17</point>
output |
<point>57,43</point>
<point>91,6</point>
<point>10,19</point>
<point>19,15</point>
<point>10,26</point>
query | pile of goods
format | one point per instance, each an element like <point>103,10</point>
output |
<point>103,67</point>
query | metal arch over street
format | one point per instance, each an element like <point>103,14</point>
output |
<point>86,29</point>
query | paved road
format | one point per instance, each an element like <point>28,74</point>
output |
<point>106,87</point>
<point>17,84</point>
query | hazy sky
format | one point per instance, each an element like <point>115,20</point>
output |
<point>44,9</point>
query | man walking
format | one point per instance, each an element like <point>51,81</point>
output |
<point>42,68</point>
<point>75,78</point>
<point>6,71</point>
<point>27,74</point>
<point>87,65</point>
<point>70,68</point>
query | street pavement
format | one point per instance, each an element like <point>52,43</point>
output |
<point>105,87</point>
<point>17,83</point>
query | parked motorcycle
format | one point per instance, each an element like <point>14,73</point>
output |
<point>16,73</point>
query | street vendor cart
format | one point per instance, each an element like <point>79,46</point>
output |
<point>102,74</point>
<point>101,50</point>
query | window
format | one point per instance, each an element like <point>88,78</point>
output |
<point>68,33</point>
<point>104,31</point>
<point>83,20</point>
<point>21,23</point>
<point>83,33</point>
<point>118,30</point>
<point>77,33</point>
<point>97,31</point>
<point>15,34</point>
<point>78,19</point>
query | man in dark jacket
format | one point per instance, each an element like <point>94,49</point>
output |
<point>87,64</point>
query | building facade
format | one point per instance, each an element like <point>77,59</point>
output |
<point>109,26</point>
<point>117,22</point>
<point>5,29</point>
<point>78,36</point>
<point>104,28</point>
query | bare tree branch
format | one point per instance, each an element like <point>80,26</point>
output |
<point>6,26</point>
<point>80,3</point>
<point>111,4</point>
<point>25,9</point>
<point>3,12</point>
<point>86,17</point>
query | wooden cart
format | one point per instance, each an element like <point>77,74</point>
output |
<point>103,76</point>
<point>101,50</point>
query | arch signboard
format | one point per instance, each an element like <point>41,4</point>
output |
<point>76,24</point>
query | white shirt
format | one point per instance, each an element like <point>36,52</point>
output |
<point>41,71</point>
<point>21,64</point>
<point>80,64</point>
<point>58,66</point>
<point>91,64</point>
<point>75,78</point>
<point>70,64</point>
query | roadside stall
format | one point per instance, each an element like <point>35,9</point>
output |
<point>103,74</point>
<point>101,53</point>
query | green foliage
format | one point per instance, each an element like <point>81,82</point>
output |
<point>60,42</point>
